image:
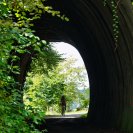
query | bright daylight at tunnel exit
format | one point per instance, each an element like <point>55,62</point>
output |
<point>68,80</point>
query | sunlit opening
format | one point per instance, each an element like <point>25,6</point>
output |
<point>68,79</point>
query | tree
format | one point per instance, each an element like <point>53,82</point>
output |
<point>64,79</point>
<point>16,36</point>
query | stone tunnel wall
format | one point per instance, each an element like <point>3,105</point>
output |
<point>110,70</point>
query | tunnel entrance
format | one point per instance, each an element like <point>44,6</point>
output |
<point>77,84</point>
<point>69,79</point>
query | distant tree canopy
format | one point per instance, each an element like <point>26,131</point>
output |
<point>46,90</point>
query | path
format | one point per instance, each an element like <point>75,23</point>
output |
<point>72,125</point>
<point>66,116</point>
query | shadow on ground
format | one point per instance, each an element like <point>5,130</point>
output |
<point>72,125</point>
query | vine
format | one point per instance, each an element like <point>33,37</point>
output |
<point>16,36</point>
<point>115,23</point>
<point>104,2</point>
<point>115,18</point>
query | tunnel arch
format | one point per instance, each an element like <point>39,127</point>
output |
<point>110,71</point>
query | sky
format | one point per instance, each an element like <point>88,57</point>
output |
<point>69,51</point>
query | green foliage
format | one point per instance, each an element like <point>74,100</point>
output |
<point>84,116</point>
<point>16,37</point>
<point>84,98</point>
<point>35,9</point>
<point>47,60</point>
<point>13,116</point>
<point>46,89</point>
<point>104,2</point>
<point>115,22</point>
<point>115,18</point>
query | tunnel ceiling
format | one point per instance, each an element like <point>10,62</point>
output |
<point>110,70</point>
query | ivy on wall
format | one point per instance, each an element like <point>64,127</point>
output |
<point>115,18</point>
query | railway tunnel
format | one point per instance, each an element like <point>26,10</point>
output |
<point>110,67</point>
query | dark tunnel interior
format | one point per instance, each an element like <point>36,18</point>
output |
<point>110,68</point>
